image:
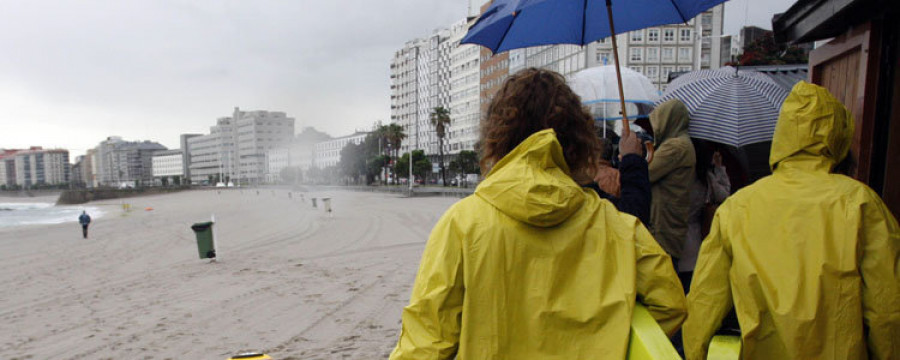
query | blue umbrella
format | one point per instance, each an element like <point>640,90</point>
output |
<point>728,106</point>
<point>513,24</point>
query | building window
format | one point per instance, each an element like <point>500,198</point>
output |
<point>637,69</point>
<point>669,35</point>
<point>668,54</point>
<point>652,73</point>
<point>637,54</point>
<point>637,36</point>
<point>652,54</point>
<point>653,35</point>
<point>665,72</point>
<point>604,57</point>
<point>684,68</point>
<point>684,54</point>
<point>685,35</point>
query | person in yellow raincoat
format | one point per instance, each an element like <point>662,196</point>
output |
<point>809,259</point>
<point>532,266</point>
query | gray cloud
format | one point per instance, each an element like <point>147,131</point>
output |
<point>74,72</point>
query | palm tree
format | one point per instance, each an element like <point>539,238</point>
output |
<point>394,135</point>
<point>440,119</point>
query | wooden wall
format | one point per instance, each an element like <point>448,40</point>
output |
<point>848,67</point>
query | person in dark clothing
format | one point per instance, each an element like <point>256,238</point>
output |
<point>634,178</point>
<point>85,220</point>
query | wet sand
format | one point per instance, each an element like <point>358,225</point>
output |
<point>291,280</point>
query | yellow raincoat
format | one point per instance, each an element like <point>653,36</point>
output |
<point>534,267</point>
<point>809,259</point>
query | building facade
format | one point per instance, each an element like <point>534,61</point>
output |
<point>186,155</point>
<point>328,153</point>
<point>436,72</point>
<point>658,51</point>
<point>465,86</point>
<point>211,155</point>
<point>36,166</point>
<point>168,164</point>
<point>121,163</point>
<point>235,149</point>
<point>8,168</point>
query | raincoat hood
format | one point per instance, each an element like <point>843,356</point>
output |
<point>532,184</point>
<point>812,124</point>
<point>669,119</point>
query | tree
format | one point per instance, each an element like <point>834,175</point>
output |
<point>289,174</point>
<point>353,161</point>
<point>176,180</point>
<point>165,181</point>
<point>440,119</point>
<point>764,51</point>
<point>468,162</point>
<point>421,165</point>
<point>394,135</point>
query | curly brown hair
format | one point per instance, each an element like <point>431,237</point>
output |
<point>533,100</point>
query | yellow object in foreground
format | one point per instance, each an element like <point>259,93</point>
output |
<point>807,258</point>
<point>250,356</point>
<point>532,266</point>
<point>724,348</point>
<point>647,340</point>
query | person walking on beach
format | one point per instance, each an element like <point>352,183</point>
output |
<point>533,266</point>
<point>809,259</point>
<point>84,220</point>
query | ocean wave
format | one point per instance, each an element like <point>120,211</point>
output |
<point>43,213</point>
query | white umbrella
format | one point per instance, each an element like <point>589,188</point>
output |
<point>599,91</point>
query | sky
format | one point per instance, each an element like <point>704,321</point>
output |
<point>75,72</point>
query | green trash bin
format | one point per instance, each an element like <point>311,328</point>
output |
<point>205,244</point>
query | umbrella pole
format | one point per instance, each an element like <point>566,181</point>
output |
<point>626,129</point>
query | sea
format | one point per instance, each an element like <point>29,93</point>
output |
<point>17,214</point>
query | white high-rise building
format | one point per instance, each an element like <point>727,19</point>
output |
<point>658,51</point>
<point>436,72</point>
<point>654,52</point>
<point>235,150</point>
<point>465,86</point>
<point>211,155</point>
<point>168,164</point>
<point>406,69</point>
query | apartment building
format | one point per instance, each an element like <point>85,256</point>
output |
<point>436,72</point>
<point>168,164</point>
<point>465,91</point>
<point>35,166</point>
<point>235,149</point>
<point>328,153</point>
<point>658,51</point>
<point>121,162</point>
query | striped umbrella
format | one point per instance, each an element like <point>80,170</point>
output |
<point>729,106</point>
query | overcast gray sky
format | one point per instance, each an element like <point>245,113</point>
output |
<point>75,72</point>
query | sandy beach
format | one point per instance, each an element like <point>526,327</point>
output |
<point>291,280</point>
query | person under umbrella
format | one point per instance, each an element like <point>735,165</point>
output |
<point>807,258</point>
<point>532,266</point>
<point>671,176</point>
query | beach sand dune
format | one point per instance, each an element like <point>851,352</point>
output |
<point>291,280</point>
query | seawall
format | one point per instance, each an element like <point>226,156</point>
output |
<point>81,196</point>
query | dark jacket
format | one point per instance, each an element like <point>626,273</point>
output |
<point>84,219</point>
<point>635,182</point>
